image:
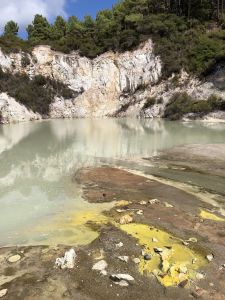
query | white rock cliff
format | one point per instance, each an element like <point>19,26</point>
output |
<point>113,84</point>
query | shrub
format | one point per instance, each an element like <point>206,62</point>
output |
<point>25,60</point>
<point>37,93</point>
<point>181,104</point>
<point>150,102</point>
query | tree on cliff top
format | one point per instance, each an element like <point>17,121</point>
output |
<point>39,30</point>
<point>11,29</point>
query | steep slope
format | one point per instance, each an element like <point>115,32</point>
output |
<point>111,85</point>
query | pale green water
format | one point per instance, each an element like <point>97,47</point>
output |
<point>38,160</point>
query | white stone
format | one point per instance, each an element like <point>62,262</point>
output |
<point>126,277</point>
<point>210,257</point>
<point>136,260</point>
<point>3,293</point>
<point>100,265</point>
<point>14,258</point>
<point>123,258</point>
<point>119,245</point>
<point>68,261</point>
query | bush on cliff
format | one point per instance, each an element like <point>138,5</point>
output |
<point>36,94</point>
<point>181,104</point>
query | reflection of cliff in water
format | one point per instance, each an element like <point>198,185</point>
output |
<point>37,160</point>
<point>51,149</point>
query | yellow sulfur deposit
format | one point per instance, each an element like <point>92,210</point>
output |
<point>210,216</point>
<point>72,228</point>
<point>173,262</point>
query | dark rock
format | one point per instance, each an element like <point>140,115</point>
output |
<point>147,257</point>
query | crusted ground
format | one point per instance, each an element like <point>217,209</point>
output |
<point>175,219</point>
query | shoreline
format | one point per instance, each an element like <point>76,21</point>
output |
<point>149,202</point>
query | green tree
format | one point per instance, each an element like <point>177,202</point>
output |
<point>11,29</point>
<point>59,28</point>
<point>39,30</point>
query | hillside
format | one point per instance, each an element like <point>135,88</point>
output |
<point>143,58</point>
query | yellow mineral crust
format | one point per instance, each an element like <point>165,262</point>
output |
<point>210,216</point>
<point>171,266</point>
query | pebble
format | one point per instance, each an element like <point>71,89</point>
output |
<point>192,239</point>
<point>126,219</point>
<point>136,260</point>
<point>3,293</point>
<point>120,210</point>
<point>185,243</point>
<point>14,258</point>
<point>143,202</point>
<point>154,240</point>
<point>68,261</point>
<point>119,277</point>
<point>104,272</point>
<point>210,257</point>
<point>147,257</point>
<point>122,283</point>
<point>140,212</point>
<point>200,276</point>
<point>123,258</point>
<point>194,260</point>
<point>119,245</point>
<point>168,205</point>
<point>100,266</point>
<point>183,283</point>
<point>153,201</point>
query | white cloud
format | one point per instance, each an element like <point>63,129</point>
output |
<point>23,11</point>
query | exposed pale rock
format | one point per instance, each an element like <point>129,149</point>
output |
<point>3,293</point>
<point>68,261</point>
<point>210,257</point>
<point>123,258</point>
<point>113,84</point>
<point>12,111</point>
<point>168,205</point>
<point>100,265</point>
<point>14,258</point>
<point>99,82</point>
<point>136,260</point>
<point>119,245</point>
<point>119,277</point>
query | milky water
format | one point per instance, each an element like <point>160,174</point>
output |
<point>40,203</point>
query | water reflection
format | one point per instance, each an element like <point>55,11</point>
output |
<point>38,159</point>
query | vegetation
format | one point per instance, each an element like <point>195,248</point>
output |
<point>181,104</point>
<point>187,33</point>
<point>36,94</point>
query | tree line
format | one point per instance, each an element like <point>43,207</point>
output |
<point>170,23</point>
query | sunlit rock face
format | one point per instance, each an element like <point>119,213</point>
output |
<point>100,82</point>
<point>111,85</point>
<point>12,111</point>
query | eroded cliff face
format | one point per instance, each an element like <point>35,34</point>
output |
<point>111,85</point>
<point>99,82</point>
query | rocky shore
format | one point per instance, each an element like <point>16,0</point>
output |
<point>158,240</point>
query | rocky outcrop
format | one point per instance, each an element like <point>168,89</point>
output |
<point>111,85</point>
<point>99,82</point>
<point>12,111</point>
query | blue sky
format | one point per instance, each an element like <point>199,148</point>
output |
<point>81,8</point>
<point>23,11</point>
